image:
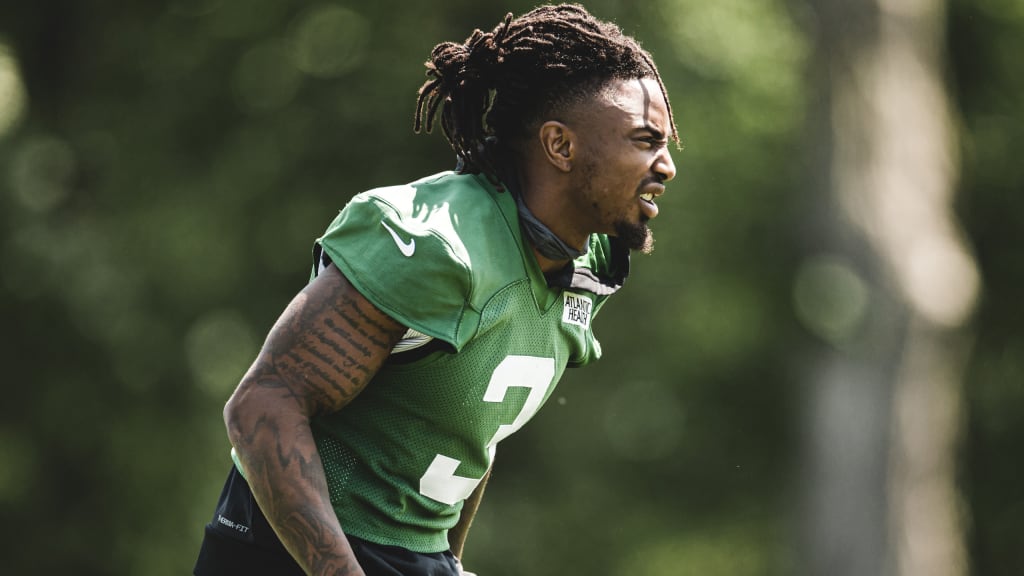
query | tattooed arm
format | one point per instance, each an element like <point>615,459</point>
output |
<point>325,347</point>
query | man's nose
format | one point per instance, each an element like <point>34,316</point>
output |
<point>665,167</point>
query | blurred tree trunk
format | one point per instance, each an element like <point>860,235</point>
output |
<point>883,411</point>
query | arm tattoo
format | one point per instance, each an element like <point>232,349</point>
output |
<point>322,352</point>
<point>329,347</point>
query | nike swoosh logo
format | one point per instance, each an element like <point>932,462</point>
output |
<point>407,248</point>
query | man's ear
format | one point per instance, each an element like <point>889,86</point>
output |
<point>558,142</point>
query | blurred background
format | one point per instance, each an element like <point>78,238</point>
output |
<point>820,370</point>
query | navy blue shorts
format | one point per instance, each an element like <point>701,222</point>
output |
<point>239,541</point>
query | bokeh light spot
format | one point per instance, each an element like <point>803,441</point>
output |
<point>12,92</point>
<point>42,171</point>
<point>266,77</point>
<point>830,298</point>
<point>219,348</point>
<point>235,18</point>
<point>329,40</point>
<point>733,549</point>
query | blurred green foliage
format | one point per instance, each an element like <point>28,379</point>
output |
<point>986,38</point>
<point>165,167</point>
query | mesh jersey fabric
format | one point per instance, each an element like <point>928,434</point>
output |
<point>445,257</point>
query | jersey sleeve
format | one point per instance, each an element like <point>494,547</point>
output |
<point>404,264</point>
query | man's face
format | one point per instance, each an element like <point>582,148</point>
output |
<point>624,159</point>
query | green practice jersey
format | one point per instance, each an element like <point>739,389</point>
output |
<point>489,338</point>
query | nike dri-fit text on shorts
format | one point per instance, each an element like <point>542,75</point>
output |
<point>240,542</point>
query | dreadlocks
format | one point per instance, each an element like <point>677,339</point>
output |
<point>491,90</point>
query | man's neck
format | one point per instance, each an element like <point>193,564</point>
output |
<point>548,265</point>
<point>544,202</point>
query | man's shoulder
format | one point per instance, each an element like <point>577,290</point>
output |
<point>429,253</point>
<point>464,211</point>
<point>434,195</point>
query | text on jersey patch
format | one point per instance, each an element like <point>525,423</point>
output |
<point>576,309</point>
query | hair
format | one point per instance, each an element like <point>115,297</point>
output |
<point>491,90</point>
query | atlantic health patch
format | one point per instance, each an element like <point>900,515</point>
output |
<point>576,309</point>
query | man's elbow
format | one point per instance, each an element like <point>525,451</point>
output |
<point>255,409</point>
<point>239,414</point>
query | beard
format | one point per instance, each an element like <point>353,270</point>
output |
<point>635,235</point>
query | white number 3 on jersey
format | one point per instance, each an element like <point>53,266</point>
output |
<point>440,482</point>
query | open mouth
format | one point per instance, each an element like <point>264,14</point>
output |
<point>647,205</point>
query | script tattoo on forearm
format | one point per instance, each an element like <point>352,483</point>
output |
<point>321,354</point>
